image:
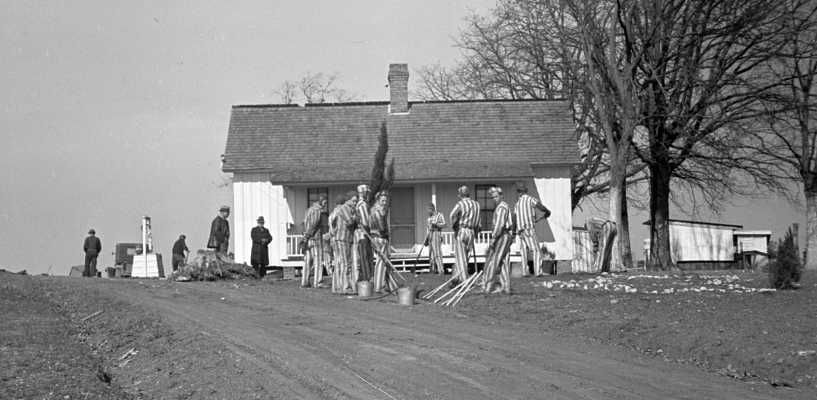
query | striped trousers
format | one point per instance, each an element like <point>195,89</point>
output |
<point>463,245</point>
<point>435,252</point>
<point>382,277</point>
<point>361,259</point>
<point>342,271</point>
<point>499,262</point>
<point>529,243</point>
<point>328,256</point>
<point>313,263</point>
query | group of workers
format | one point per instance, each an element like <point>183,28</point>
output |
<point>357,248</point>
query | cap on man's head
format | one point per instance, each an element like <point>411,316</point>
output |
<point>382,193</point>
<point>340,199</point>
<point>224,208</point>
<point>260,219</point>
<point>494,191</point>
<point>321,198</point>
<point>521,187</point>
<point>182,236</point>
<point>463,191</point>
<point>362,188</point>
<point>351,194</point>
<point>91,232</point>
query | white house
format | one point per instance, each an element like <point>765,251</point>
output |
<point>283,157</point>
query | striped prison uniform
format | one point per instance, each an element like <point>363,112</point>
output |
<point>498,251</point>
<point>362,258</point>
<point>434,233</point>
<point>465,217</point>
<point>380,244</point>
<point>314,245</point>
<point>525,210</point>
<point>341,227</point>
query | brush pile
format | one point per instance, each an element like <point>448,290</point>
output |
<point>208,265</point>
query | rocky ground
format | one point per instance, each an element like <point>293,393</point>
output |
<point>91,338</point>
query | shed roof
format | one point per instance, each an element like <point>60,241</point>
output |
<point>434,140</point>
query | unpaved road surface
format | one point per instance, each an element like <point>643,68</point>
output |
<point>309,344</point>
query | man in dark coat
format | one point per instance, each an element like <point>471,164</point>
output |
<point>92,248</point>
<point>179,249</point>
<point>259,257</point>
<point>220,231</point>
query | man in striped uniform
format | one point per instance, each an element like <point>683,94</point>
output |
<point>465,222</point>
<point>525,210</point>
<point>500,243</point>
<point>363,247</point>
<point>314,244</point>
<point>342,229</point>
<point>380,242</point>
<point>434,239</point>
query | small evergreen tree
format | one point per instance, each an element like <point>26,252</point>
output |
<point>785,271</point>
<point>382,174</point>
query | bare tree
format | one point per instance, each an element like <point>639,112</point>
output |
<point>698,86</point>
<point>545,49</point>
<point>313,88</point>
<point>787,149</point>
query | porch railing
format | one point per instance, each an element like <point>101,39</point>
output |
<point>482,239</point>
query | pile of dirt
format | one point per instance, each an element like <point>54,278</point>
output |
<point>208,265</point>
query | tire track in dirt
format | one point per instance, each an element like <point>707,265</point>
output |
<point>310,344</point>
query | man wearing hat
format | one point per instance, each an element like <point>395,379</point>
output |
<point>363,248</point>
<point>465,222</point>
<point>179,249</point>
<point>342,230</point>
<point>259,255</point>
<point>92,247</point>
<point>501,239</point>
<point>220,231</point>
<point>525,210</point>
<point>380,240</point>
<point>314,244</point>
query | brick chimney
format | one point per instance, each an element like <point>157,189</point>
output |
<point>398,88</point>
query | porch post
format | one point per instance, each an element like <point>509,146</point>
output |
<point>434,194</point>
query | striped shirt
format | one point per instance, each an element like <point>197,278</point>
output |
<point>502,219</point>
<point>312,220</point>
<point>379,221</point>
<point>525,210</point>
<point>435,222</point>
<point>466,213</point>
<point>362,215</point>
<point>339,222</point>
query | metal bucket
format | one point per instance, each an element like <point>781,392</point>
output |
<point>364,289</point>
<point>405,296</point>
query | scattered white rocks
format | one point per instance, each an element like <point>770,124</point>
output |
<point>611,282</point>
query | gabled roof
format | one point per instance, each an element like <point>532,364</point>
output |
<point>434,140</point>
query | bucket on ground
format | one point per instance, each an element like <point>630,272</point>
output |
<point>364,289</point>
<point>405,296</point>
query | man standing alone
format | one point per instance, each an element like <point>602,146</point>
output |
<point>92,248</point>
<point>525,210</point>
<point>179,249</point>
<point>220,231</point>
<point>259,254</point>
<point>434,239</point>
<point>465,222</point>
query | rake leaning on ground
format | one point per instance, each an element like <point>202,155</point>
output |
<point>392,271</point>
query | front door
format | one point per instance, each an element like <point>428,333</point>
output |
<point>402,217</point>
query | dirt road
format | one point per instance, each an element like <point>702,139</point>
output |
<point>310,344</point>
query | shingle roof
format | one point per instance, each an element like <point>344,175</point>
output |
<point>435,140</point>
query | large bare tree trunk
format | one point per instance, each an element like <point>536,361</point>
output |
<point>811,228</point>
<point>622,257</point>
<point>660,256</point>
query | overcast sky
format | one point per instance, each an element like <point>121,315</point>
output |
<point>114,110</point>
